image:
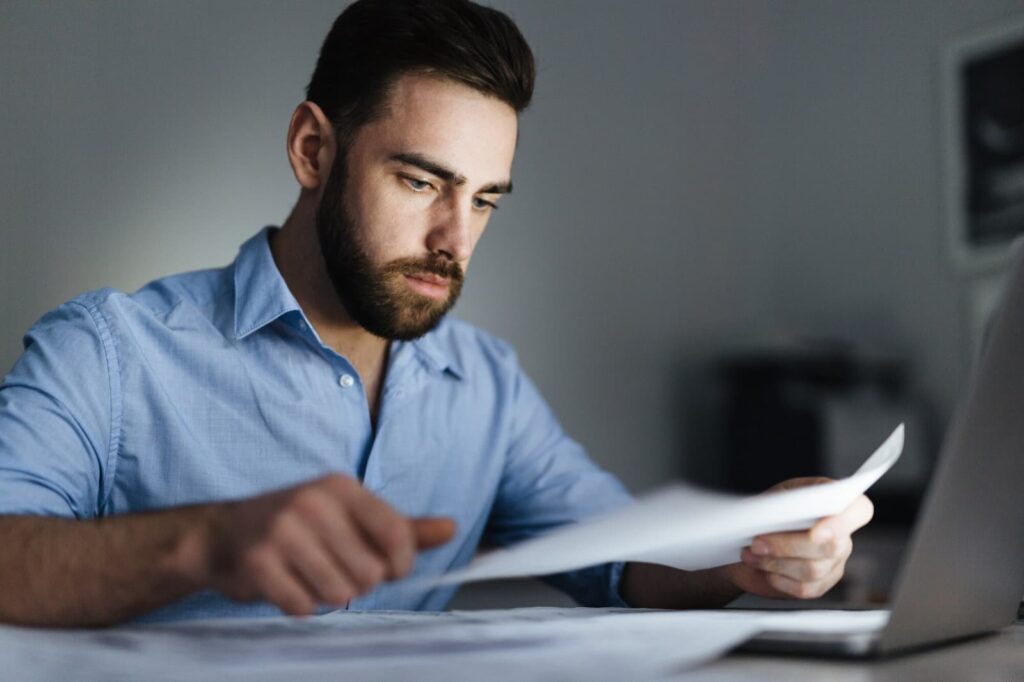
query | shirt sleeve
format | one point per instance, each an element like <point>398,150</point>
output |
<point>550,481</point>
<point>57,406</point>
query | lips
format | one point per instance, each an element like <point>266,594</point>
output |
<point>431,278</point>
<point>429,285</point>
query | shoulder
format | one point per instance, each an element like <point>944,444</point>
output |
<point>198,293</point>
<point>73,323</point>
<point>200,290</point>
<point>106,316</point>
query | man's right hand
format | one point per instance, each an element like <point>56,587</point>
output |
<point>322,542</point>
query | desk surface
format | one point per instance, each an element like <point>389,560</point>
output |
<point>995,657</point>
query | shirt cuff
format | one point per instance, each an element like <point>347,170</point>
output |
<point>615,572</point>
<point>596,586</point>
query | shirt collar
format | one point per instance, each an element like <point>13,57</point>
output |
<point>262,296</point>
<point>437,351</point>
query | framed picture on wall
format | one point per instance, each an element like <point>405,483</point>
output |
<point>983,91</point>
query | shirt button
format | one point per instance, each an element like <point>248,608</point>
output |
<point>346,380</point>
<point>302,325</point>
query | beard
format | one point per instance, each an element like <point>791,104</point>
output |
<point>378,298</point>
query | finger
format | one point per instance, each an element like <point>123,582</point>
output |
<point>808,570</point>
<point>389,532</point>
<point>280,587</point>
<point>433,531</point>
<point>855,516</point>
<point>309,557</point>
<point>364,565</point>
<point>753,581</point>
<point>802,589</point>
<point>327,512</point>
<point>802,482</point>
<point>817,543</point>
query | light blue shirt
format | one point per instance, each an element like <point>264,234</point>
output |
<point>213,385</point>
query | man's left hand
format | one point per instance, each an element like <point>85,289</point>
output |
<point>802,564</point>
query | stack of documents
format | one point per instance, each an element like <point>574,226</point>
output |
<point>517,644</point>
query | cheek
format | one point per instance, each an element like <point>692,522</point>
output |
<point>385,223</point>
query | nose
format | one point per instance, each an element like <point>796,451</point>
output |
<point>451,232</point>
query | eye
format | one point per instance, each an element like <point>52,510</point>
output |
<point>482,204</point>
<point>415,184</point>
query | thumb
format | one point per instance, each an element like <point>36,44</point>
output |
<point>802,482</point>
<point>432,531</point>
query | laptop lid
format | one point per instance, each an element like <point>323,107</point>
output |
<point>963,573</point>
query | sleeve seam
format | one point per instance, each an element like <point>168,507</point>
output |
<point>116,404</point>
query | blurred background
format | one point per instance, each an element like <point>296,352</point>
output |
<point>747,238</point>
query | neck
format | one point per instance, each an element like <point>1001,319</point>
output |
<point>296,251</point>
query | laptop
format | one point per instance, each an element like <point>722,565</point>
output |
<point>963,572</point>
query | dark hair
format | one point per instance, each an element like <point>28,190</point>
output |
<point>374,42</point>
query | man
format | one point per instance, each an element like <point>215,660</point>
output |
<point>299,430</point>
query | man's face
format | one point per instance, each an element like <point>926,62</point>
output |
<point>398,223</point>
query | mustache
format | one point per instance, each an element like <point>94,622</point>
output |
<point>435,265</point>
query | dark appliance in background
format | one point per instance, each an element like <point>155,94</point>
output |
<point>821,410</point>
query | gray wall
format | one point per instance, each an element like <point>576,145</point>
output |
<point>693,177</point>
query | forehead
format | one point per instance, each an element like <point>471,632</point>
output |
<point>470,132</point>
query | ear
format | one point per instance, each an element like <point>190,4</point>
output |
<point>311,145</point>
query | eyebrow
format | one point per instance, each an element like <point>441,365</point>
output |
<point>434,168</point>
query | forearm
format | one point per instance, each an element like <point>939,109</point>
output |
<point>59,572</point>
<point>653,586</point>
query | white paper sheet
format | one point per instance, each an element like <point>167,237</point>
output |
<point>681,527</point>
<point>517,644</point>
